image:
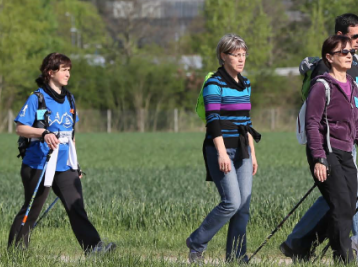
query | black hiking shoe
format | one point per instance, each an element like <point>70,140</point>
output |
<point>296,256</point>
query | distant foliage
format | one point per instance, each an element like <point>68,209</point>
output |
<point>29,30</point>
<point>140,74</point>
<point>245,18</point>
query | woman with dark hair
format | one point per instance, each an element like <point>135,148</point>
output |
<point>229,151</point>
<point>50,126</point>
<point>335,173</point>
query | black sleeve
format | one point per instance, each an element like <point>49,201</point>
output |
<point>320,69</point>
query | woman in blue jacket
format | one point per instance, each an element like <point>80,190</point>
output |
<point>52,129</point>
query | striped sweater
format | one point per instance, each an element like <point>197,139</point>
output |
<point>226,103</point>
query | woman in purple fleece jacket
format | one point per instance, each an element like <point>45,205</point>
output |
<point>335,173</point>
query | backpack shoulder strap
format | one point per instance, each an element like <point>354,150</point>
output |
<point>328,100</point>
<point>71,99</point>
<point>41,106</point>
<point>328,90</point>
<point>42,102</point>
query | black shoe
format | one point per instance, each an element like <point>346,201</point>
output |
<point>296,256</point>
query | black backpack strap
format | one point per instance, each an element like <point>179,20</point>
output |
<point>71,99</point>
<point>42,102</point>
<point>43,124</point>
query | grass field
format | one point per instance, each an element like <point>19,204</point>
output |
<point>147,192</point>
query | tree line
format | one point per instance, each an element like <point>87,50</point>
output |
<point>141,73</point>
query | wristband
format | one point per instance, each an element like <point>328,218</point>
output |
<point>43,135</point>
<point>322,161</point>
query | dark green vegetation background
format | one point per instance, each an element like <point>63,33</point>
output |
<point>147,192</point>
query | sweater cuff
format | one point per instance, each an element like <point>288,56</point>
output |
<point>214,128</point>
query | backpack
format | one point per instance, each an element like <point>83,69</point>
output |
<point>200,105</point>
<point>301,118</point>
<point>24,142</point>
<point>306,68</point>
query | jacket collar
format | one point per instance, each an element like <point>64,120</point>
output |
<point>331,80</point>
<point>230,81</point>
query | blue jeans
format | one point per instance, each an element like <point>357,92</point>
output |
<point>235,192</point>
<point>299,239</point>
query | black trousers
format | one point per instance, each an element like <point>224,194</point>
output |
<point>340,192</point>
<point>67,186</point>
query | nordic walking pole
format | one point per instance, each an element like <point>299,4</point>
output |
<point>46,211</point>
<point>35,191</point>
<point>282,222</point>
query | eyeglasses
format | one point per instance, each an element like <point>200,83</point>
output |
<point>344,52</point>
<point>353,37</point>
<point>243,55</point>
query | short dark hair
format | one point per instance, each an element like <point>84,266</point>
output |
<point>52,62</point>
<point>331,43</point>
<point>343,22</point>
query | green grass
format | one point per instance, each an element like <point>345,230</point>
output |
<point>147,192</point>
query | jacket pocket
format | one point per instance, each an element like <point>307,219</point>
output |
<point>341,130</point>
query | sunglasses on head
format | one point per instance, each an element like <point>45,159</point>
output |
<point>344,52</point>
<point>353,37</point>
